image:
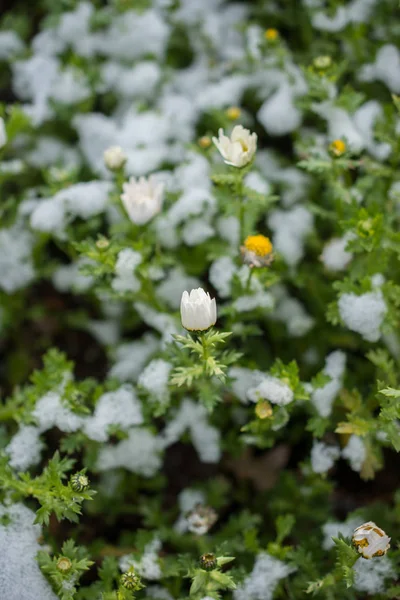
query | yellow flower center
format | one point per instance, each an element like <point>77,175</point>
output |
<point>271,35</point>
<point>204,142</point>
<point>259,244</point>
<point>338,147</point>
<point>233,113</point>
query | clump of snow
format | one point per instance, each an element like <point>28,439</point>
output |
<point>154,379</point>
<point>250,302</point>
<point>262,581</point>
<point>229,229</point>
<point>20,575</point>
<point>386,68</point>
<point>120,408</point>
<point>130,358</point>
<point>139,453</point>
<point>51,151</point>
<point>355,452</point>
<point>221,272</point>
<point>357,11</point>
<point>291,312</point>
<point>73,29</point>
<point>290,229</point>
<point>196,232</point>
<point>106,332</point>
<point>243,381</point>
<point>161,322</point>
<point>70,278</point>
<point>323,457</point>
<point>173,286</point>
<point>323,397</point>
<point>25,448</point>
<point>156,592</point>
<point>33,80</point>
<point>10,45</point>
<point>148,566</point>
<point>133,82</point>
<point>125,279</point>
<point>256,182</point>
<point>272,389</point>
<point>193,417</point>
<point>371,575</point>
<point>279,114</point>
<point>149,30</point>
<point>51,412</point>
<point>363,314</point>
<point>70,87</point>
<point>193,202</point>
<point>82,200</point>
<point>16,266</point>
<point>331,530</point>
<point>334,255</point>
<point>188,498</point>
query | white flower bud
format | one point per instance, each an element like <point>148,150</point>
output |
<point>198,311</point>
<point>114,158</point>
<point>142,199</point>
<point>3,134</point>
<point>239,149</point>
<point>371,540</point>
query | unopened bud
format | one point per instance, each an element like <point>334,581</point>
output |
<point>208,561</point>
<point>64,564</point>
<point>79,482</point>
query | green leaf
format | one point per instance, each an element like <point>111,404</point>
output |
<point>199,581</point>
<point>390,392</point>
<point>223,579</point>
<point>284,525</point>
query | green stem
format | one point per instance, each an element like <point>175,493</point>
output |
<point>248,282</point>
<point>241,207</point>
<point>205,347</point>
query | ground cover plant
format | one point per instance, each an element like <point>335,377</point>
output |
<point>199,300</point>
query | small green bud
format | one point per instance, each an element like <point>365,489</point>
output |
<point>64,564</point>
<point>208,562</point>
<point>102,243</point>
<point>131,581</point>
<point>79,482</point>
<point>322,62</point>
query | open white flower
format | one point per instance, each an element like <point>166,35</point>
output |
<point>198,311</point>
<point>142,198</point>
<point>239,149</point>
<point>371,540</point>
<point>114,158</point>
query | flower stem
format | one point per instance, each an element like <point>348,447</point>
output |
<point>241,207</point>
<point>248,282</point>
<point>205,346</point>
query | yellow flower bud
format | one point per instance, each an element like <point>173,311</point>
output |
<point>337,147</point>
<point>233,113</point>
<point>204,142</point>
<point>271,35</point>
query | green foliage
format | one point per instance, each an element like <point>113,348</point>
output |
<point>65,570</point>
